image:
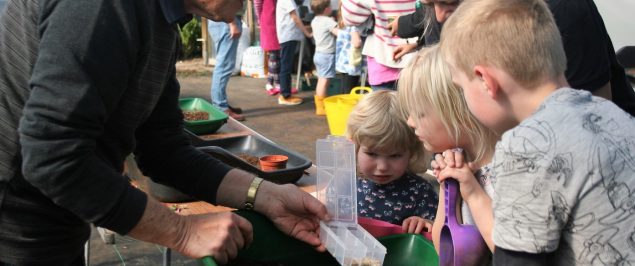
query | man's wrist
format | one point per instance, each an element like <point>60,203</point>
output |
<point>252,192</point>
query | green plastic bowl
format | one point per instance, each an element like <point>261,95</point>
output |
<point>409,250</point>
<point>216,117</point>
<point>270,245</point>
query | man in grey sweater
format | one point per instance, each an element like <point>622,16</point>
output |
<point>82,85</point>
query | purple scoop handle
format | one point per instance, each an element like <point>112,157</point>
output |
<point>460,244</point>
<point>451,196</point>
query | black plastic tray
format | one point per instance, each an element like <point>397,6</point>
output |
<point>228,150</point>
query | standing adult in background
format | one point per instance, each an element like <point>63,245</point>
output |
<point>225,37</point>
<point>89,82</point>
<point>591,61</point>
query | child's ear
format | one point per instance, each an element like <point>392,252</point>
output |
<point>487,79</point>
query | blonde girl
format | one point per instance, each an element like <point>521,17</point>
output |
<point>435,108</point>
<point>388,156</point>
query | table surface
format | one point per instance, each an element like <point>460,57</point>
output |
<point>231,129</point>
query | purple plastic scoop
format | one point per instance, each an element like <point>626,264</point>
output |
<point>460,244</point>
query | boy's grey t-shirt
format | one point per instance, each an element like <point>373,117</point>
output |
<point>286,29</point>
<point>565,182</point>
<point>324,39</point>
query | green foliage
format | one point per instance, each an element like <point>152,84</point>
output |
<point>190,33</point>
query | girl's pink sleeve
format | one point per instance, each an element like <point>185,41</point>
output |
<point>258,8</point>
<point>355,12</point>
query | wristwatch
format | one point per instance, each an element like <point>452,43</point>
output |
<point>251,193</point>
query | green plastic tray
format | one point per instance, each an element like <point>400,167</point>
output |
<point>409,250</point>
<point>216,117</point>
<point>272,246</point>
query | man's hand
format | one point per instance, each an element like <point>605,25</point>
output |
<point>220,235</point>
<point>293,211</point>
<point>216,10</point>
<point>416,225</point>
<point>234,30</point>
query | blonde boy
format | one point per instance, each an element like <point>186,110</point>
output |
<point>565,166</point>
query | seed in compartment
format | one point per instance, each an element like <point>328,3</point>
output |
<point>366,262</point>
<point>195,115</point>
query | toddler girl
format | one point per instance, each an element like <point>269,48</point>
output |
<point>387,155</point>
<point>442,121</point>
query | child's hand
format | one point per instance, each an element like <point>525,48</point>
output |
<point>462,172</point>
<point>449,158</point>
<point>307,31</point>
<point>416,224</point>
<point>394,26</point>
<point>402,50</point>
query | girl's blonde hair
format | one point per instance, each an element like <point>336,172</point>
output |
<point>426,81</point>
<point>376,122</point>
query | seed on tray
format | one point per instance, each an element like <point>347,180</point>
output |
<point>195,115</point>
<point>253,160</point>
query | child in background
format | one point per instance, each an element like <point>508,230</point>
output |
<point>437,111</point>
<point>348,41</point>
<point>564,166</point>
<point>266,15</point>
<point>290,30</point>
<point>388,154</point>
<point>324,31</point>
<point>383,69</point>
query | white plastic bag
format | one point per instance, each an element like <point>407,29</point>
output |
<point>253,63</point>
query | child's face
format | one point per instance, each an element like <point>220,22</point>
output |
<point>430,131</point>
<point>382,167</point>
<point>444,8</point>
<point>481,105</point>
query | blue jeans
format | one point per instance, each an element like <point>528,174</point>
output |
<point>225,48</point>
<point>287,52</point>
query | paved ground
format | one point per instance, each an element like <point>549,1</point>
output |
<point>295,127</point>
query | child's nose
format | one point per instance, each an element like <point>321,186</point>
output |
<point>382,164</point>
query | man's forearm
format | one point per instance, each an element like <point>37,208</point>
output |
<point>159,225</point>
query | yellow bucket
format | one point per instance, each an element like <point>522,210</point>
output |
<point>338,107</point>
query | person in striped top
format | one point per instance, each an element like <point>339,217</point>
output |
<point>383,69</point>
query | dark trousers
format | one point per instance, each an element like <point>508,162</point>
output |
<point>287,51</point>
<point>349,82</point>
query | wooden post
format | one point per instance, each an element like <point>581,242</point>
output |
<point>204,41</point>
<point>250,21</point>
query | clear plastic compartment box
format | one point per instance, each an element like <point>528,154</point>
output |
<point>347,241</point>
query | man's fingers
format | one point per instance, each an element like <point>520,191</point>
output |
<point>246,230</point>
<point>314,206</point>
<point>309,237</point>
